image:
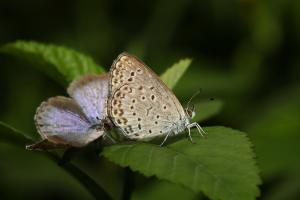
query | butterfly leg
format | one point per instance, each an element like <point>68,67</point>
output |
<point>200,129</point>
<point>109,137</point>
<point>165,139</point>
<point>45,145</point>
<point>190,136</point>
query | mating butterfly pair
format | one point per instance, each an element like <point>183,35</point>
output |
<point>131,98</point>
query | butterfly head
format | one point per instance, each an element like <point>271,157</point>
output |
<point>190,111</point>
<point>190,108</point>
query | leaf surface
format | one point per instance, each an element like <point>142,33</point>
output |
<point>172,75</point>
<point>207,109</point>
<point>221,166</point>
<point>59,62</point>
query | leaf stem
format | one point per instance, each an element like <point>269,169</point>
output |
<point>19,138</point>
<point>128,184</point>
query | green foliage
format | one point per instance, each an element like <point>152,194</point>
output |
<point>172,75</point>
<point>287,189</point>
<point>252,65</point>
<point>221,166</point>
<point>207,109</point>
<point>273,130</point>
<point>59,62</point>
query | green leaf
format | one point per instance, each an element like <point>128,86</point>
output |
<point>207,109</point>
<point>172,75</point>
<point>221,166</point>
<point>17,137</point>
<point>59,62</point>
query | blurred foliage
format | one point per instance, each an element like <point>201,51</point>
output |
<point>244,53</point>
<point>155,189</point>
<point>206,109</point>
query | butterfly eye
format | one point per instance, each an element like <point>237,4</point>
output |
<point>190,111</point>
<point>193,114</point>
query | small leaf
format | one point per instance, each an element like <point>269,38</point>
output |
<point>172,75</point>
<point>59,62</point>
<point>15,136</point>
<point>207,109</point>
<point>221,166</point>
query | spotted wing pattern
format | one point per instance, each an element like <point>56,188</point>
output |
<point>141,105</point>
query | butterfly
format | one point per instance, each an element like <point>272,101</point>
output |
<point>76,121</point>
<point>141,106</point>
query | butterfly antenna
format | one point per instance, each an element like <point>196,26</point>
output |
<point>193,96</point>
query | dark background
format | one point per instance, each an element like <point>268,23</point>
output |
<point>245,52</point>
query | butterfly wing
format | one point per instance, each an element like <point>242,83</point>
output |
<point>61,121</point>
<point>141,105</point>
<point>90,92</point>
